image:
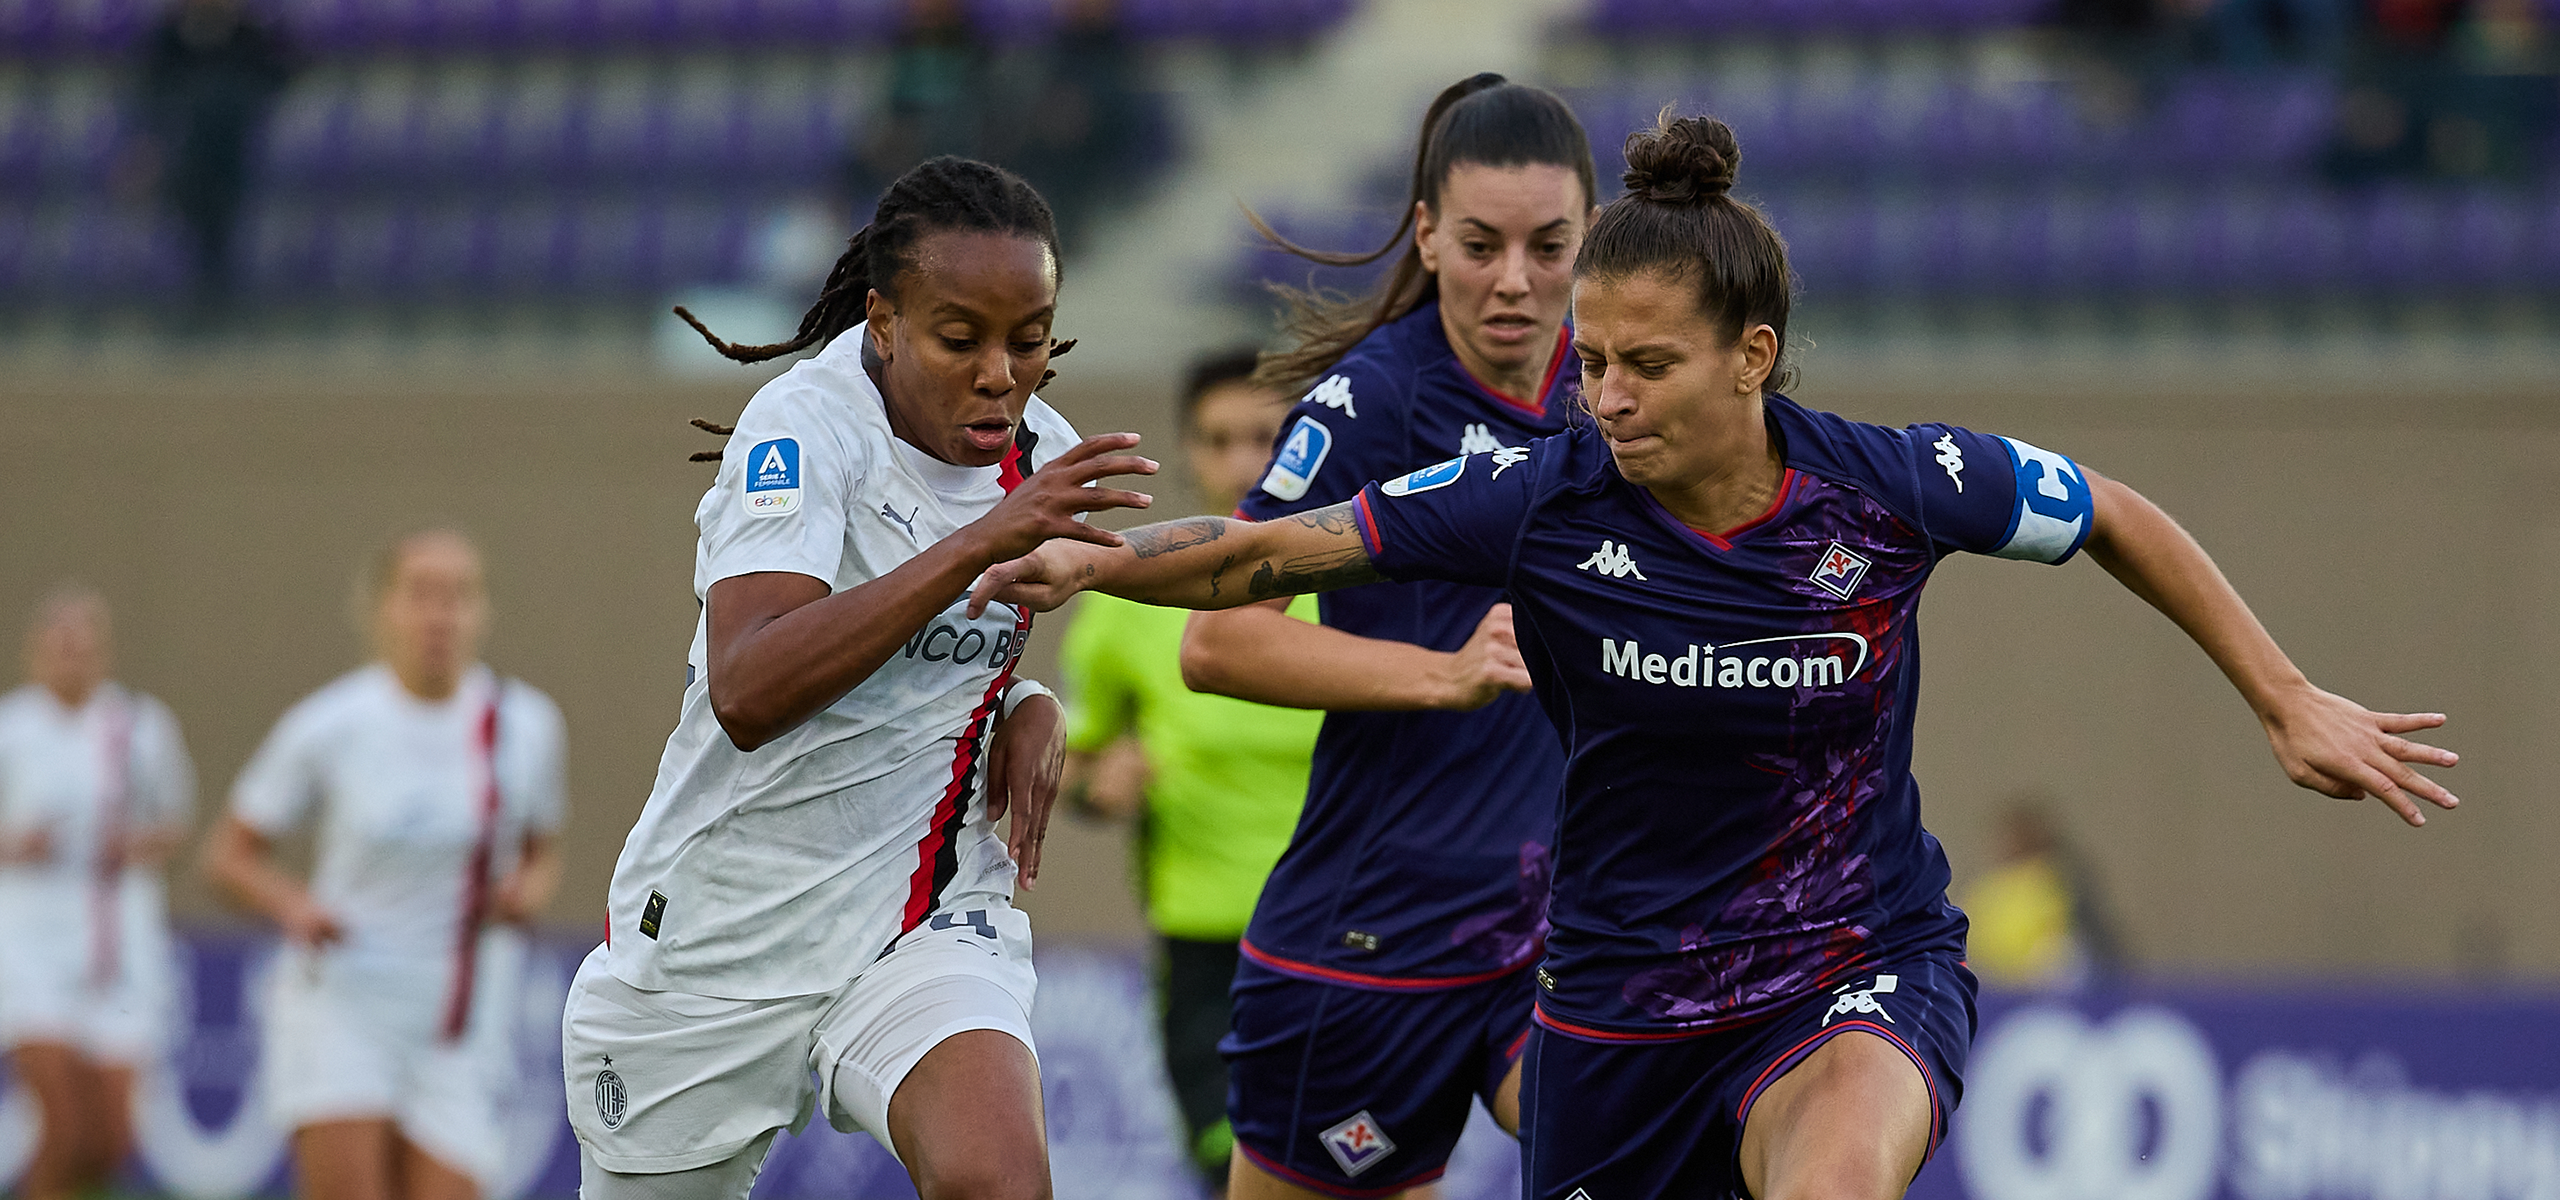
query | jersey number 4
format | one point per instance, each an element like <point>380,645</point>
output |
<point>975,919</point>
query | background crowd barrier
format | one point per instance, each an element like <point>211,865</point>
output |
<point>2185,1093</point>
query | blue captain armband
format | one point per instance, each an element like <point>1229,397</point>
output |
<point>2054,509</point>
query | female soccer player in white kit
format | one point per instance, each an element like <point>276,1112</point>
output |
<point>816,884</point>
<point>95,790</point>
<point>438,790</point>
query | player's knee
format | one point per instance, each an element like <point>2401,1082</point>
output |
<point>985,1175</point>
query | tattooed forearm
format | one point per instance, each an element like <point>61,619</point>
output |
<point>1312,573</point>
<point>1220,573</point>
<point>1333,519</point>
<point>1148,541</point>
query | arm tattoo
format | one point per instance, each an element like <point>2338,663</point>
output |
<point>1313,573</point>
<point>1220,573</point>
<point>1148,541</point>
<point>1332,519</point>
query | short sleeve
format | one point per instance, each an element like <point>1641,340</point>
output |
<point>164,776</point>
<point>1458,521</point>
<point>540,766</point>
<point>780,500</point>
<point>1985,494</point>
<point>1100,695</point>
<point>276,790</point>
<point>1347,430</point>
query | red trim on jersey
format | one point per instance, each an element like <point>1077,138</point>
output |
<point>475,885</point>
<point>1538,1012</point>
<point>1313,1184</point>
<point>1369,539</point>
<point>1779,1066</point>
<point>1010,472</point>
<point>1380,982</point>
<point>937,857</point>
<point>106,908</point>
<point>1546,383</point>
<point>1725,540</point>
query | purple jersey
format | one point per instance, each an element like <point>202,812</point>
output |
<point>1740,825</point>
<point>1420,859</point>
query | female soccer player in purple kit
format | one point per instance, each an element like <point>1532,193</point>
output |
<point>1716,592</point>
<point>1385,980</point>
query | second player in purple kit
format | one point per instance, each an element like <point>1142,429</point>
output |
<point>1715,591</point>
<point>1385,982</point>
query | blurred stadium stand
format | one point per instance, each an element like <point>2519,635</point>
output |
<point>1960,150</point>
<point>449,149</point>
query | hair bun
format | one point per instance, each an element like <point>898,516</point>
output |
<point>1689,160</point>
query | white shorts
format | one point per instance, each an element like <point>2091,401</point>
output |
<point>47,995</point>
<point>338,1052</point>
<point>671,1081</point>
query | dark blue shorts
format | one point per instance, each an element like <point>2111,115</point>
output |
<point>1665,1117</point>
<point>1358,1092</point>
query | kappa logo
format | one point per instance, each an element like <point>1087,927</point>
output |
<point>1358,1144</point>
<point>1863,1000</point>
<point>1840,570</point>
<point>773,478</point>
<point>1951,456</point>
<point>1334,392</point>
<point>1478,439</point>
<point>1507,457</point>
<point>613,1101</point>
<point>1612,560</point>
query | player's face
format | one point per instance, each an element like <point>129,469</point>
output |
<point>1502,244</point>
<point>965,342</point>
<point>1677,401</point>
<point>1232,429</point>
<point>432,612</point>
<point>70,652</point>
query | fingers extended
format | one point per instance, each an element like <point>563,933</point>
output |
<point>2408,722</point>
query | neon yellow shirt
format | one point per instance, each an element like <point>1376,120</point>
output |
<point>1227,777</point>
<point>2021,914</point>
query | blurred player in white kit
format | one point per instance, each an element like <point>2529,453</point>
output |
<point>439,792</point>
<point>95,791</point>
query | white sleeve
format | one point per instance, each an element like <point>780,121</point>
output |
<point>785,480</point>
<point>276,790</point>
<point>538,754</point>
<point>164,777</point>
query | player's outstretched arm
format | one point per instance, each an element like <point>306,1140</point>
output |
<point>782,648</point>
<point>1198,562</point>
<point>1261,653</point>
<point>2325,742</point>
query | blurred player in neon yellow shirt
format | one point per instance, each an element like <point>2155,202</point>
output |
<point>1213,784</point>
<point>2037,922</point>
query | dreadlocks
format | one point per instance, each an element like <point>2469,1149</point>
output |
<point>944,194</point>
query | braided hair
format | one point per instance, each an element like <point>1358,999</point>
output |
<point>942,194</point>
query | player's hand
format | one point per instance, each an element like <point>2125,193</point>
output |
<point>1046,504</point>
<point>1024,763</point>
<point>1487,666</point>
<point>1040,581</point>
<point>511,901</point>
<point>2337,747</point>
<point>308,925</point>
<point>32,846</point>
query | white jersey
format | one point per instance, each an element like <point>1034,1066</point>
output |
<point>786,870</point>
<point>85,777</point>
<point>403,789</point>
